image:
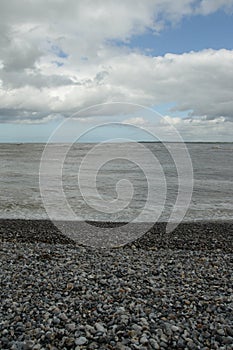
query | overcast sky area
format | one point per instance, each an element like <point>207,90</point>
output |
<point>60,56</point>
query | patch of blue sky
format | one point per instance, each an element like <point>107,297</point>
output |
<point>194,33</point>
<point>58,51</point>
<point>17,133</point>
<point>116,132</point>
<point>171,110</point>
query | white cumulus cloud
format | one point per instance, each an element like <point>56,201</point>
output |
<point>60,56</point>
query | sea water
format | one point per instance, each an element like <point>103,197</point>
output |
<point>20,197</point>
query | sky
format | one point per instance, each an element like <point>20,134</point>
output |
<point>58,58</point>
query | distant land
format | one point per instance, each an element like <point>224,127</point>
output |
<point>94,142</point>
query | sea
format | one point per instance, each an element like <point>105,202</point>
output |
<point>20,181</point>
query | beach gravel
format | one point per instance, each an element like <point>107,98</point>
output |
<point>146,295</point>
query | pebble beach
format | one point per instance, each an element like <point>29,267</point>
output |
<point>162,291</point>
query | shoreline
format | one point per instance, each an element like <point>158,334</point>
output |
<point>200,235</point>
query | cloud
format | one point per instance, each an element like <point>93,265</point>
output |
<point>139,121</point>
<point>209,6</point>
<point>200,82</point>
<point>194,130</point>
<point>59,57</point>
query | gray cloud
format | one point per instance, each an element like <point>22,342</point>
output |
<point>58,57</point>
<point>35,79</point>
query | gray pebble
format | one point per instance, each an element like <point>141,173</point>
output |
<point>81,341</point>
<point>175,328</point>
<point>143,340</point>
<point>75,298</point>
<point>154,344</point>
<point>221,331</point>
<point>100,327</point>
